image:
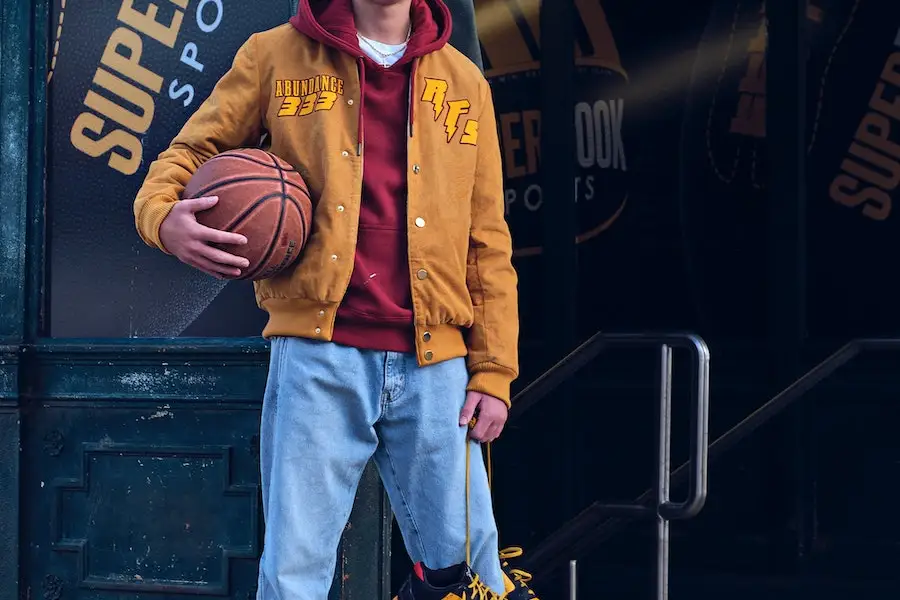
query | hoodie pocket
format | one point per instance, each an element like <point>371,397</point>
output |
<point>379,288</point>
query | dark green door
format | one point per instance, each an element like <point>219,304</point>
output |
<point>130,388</point>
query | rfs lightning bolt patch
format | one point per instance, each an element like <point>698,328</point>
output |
<point>435,95</point>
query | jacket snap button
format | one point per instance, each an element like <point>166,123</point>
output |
<point>426,336</point>
<point>318,330</point>
<point>422,274</point>
<point>420,222</point>
<point>345,154</point>
<point>429,355</point>
<point>416,169</point>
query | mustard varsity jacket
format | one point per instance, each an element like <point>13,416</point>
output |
<point>464,287</point>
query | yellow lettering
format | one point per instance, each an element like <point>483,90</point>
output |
<point>138,123</point>
<point>326,101</point>
<point>754,82</point>
<point>340,85</point>
<point>510,145</point>
<point>531,123</point>
<point>309,104</point>
<point>435,93</point>
<point>875,131</point>
<point>147,24</point>
<point>289,107</point>
<point>595,23</point>
<point>279,88</point>
<point>130,65</point>
<point>127,164</point>
<point>304,88</point>
<point>879,103</point>
<point>455,109</point>
<point>886,180</point>
<point>470,133</point>
<point>500,35</point>
<point>751,116</point>
<point>845,190</point>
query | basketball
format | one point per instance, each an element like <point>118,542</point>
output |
<point>262,198</point>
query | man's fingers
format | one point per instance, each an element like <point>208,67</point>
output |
<point>468,410</point>
<point>197,204</point>
<point>222,257</point>
<point>494,432</point>
<point>480,431</point>
<point>214,268</point>
<point>208,234</point>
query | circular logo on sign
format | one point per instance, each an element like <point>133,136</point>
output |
<point>509,40</point>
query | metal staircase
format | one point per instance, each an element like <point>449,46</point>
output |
<point>600,522</point>
<point>569,542</point>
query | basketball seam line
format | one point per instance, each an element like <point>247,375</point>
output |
<point>278,229</point>
<point>243,217</point>
<point>295,201</point>
<point>234,154</point>
<point>272,243</point>
<point>302,216</point>
<point>215,186</point>
<point>246,213</point>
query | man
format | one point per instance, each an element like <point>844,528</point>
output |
<point>399,324</point>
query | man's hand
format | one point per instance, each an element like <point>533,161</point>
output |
<point>491,416</point>
<point>187,239</point>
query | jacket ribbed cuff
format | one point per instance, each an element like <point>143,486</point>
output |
<point>151,219</point>
<point>493,380</point>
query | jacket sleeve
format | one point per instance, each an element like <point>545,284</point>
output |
<point>230,118</point>
<point>493,338</point>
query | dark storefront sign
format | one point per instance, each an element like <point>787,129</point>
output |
<point>853,161</point>
<point>509,36</point>
<point>125,76</point>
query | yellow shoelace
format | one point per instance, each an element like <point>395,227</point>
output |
<point>479,591</point>
<point>522,577</point>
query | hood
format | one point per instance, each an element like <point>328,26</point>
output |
<point>331,22</point>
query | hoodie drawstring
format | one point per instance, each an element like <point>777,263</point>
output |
<point>361,67</point>
<point>412,104</point>
<point>360,135</point>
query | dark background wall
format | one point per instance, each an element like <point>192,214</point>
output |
<point>673,201</point>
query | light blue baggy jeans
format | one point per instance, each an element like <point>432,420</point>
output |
<point>327,410</point>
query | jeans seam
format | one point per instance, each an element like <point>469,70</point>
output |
<point>412,519</point>
<point>282,342</point>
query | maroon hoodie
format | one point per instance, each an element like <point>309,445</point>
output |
<point>377,310</point>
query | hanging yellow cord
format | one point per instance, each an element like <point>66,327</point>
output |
<point>490,475</point>
<point>468,528</point>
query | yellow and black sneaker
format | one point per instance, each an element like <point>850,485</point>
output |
<point>519,578</point>
<point>452,583</point>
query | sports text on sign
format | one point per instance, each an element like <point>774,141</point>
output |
<point>115,127</point>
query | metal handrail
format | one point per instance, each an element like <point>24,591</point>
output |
<point>594,525</point>
<point>663,509</point>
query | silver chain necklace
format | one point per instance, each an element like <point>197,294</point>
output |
<point>385,57</point>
